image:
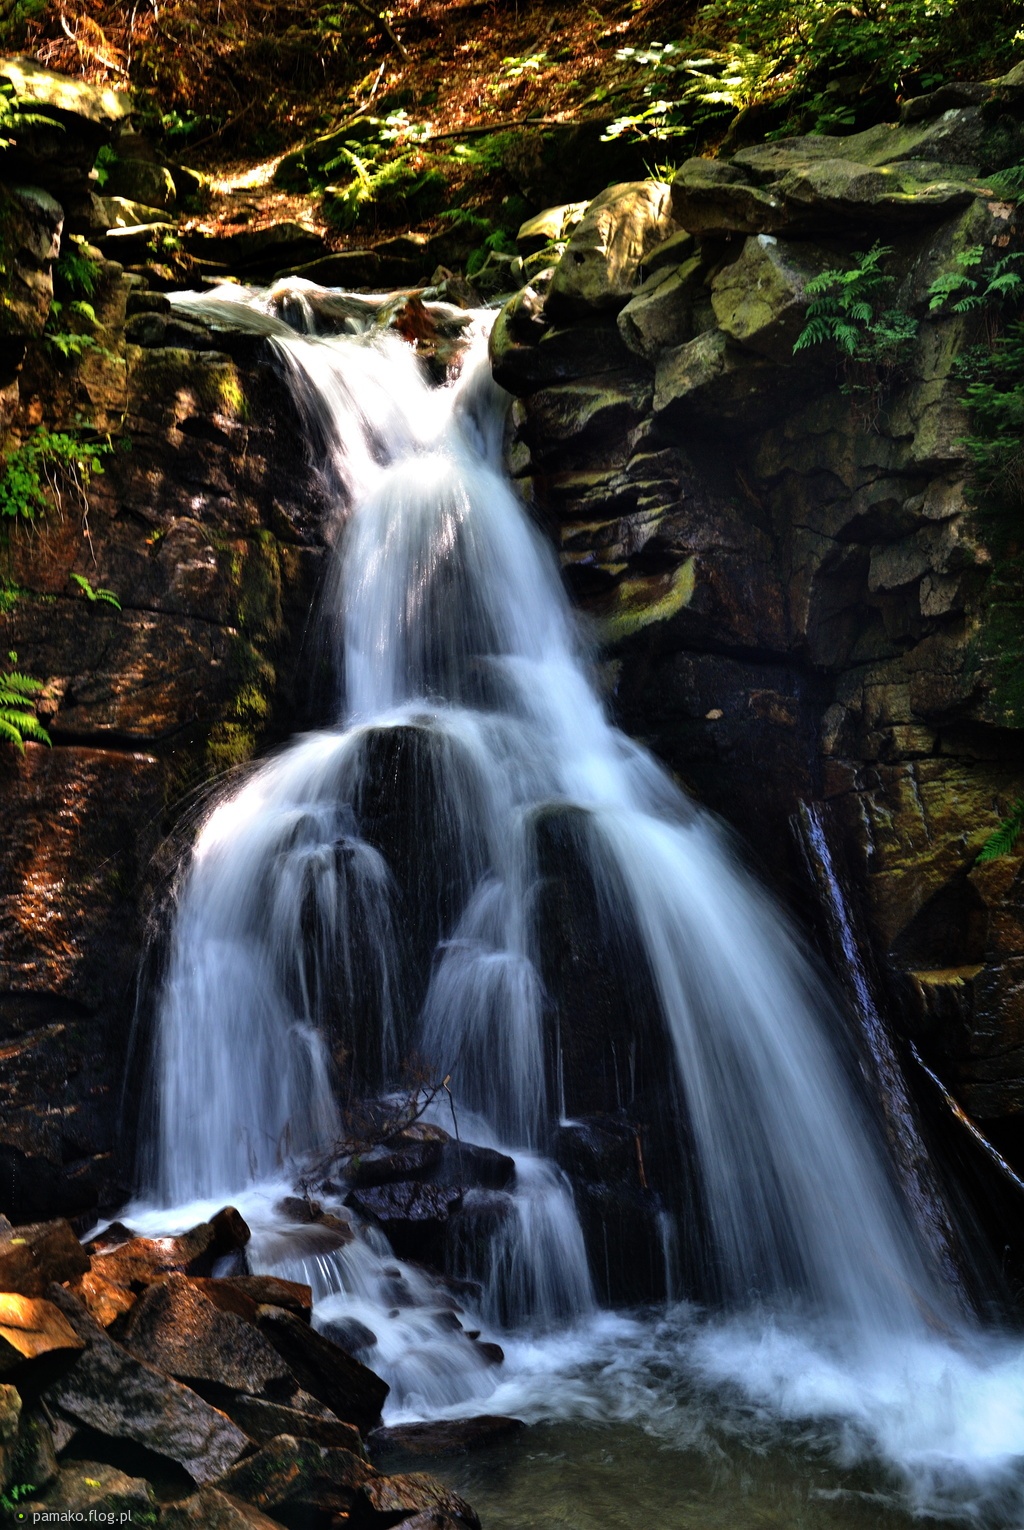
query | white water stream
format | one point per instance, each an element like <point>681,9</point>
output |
<point>455,640</point>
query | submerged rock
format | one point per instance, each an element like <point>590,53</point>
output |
<point>447,1437</point>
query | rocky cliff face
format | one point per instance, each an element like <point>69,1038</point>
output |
<point>208,529</point>
<point>796,596</point>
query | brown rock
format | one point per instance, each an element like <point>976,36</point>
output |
<point>350,1389</point>
<point>210,1509</point>
<point>31,1327</point>
<point>413,1493</point>
<point>264,1421</point>
<point>142,1261</point>
<point>445,1437</point>
<point>92,1490</point>
<point>175,1327</point>
<point>290,1473</point>
<point>245,1294</point>
<point>34,1256</point>
<point>112,1392</point>
<point>10,1420</point>
<point>103,1299</point>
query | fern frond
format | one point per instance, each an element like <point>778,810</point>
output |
<point>1005,836</point>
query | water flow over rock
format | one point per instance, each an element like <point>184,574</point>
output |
<point>371,893</point>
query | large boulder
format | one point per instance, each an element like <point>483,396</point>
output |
<point>32,222</point>
<point>352,1391</point>
<point>31,1328</point>
<point>600,265</point>
<point>760,300</point>
<point>34,1256</point>
<point>92,1491</point>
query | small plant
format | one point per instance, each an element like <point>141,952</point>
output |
<point>994,395</point>
<point>17,724</point>
<point>498,243</point>
<point>79,272</point>
<point>1004,837</point>
<point>105,161</point>
<point>847,310</point>
<point>44,467</point>
<point>71,343</point>
<point>87,590</point>
<point>968,284</point>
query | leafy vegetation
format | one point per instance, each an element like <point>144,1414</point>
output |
<point>1002,841</point>
<point>849,311</point>
<point>39,472</point>
<point>18,722</point>
<point>107,596</point>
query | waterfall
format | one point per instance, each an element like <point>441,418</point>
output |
<point>370,893</point>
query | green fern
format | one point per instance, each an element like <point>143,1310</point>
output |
<point>1004,838</point>
<point>87,590</point>
<point>1003,284</point>
<point>17,723</point>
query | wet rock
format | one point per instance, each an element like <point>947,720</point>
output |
<point>413,1215</point>
<point>349,1389</point>
<point>349,268</point>
<point>175,1327</point>
<point>112,1392</point>
<point>383,1165</point>
<point>92,1490</point>
<point>142,1261</point>
<point>103,1299</point>
<point>32,1257</point>
<point>349,1334</point>
<point>464,1164</point>
<point>30,1328</point>
<point>210,1509</point>
<point>561,423</point>
<point>291,1474</point>
<point>414,1493</point>
<point>258,251</point>
<point>447,1437</point>
<point>600,265</point>
<point>245,1294</point>
<point>527,354</point>
<point>264,1421</point>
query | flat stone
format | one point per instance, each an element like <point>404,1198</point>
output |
<point>95,103</point>
<point>31,1327</point>
<point>175,1327</point>
<point>413,1215</point>
<point>445,1437</point>
<point>602,260</point>
<point>32,1257</point>
<point>350,1389</point>
<point>109,1390</point>
<point>245,1294</point>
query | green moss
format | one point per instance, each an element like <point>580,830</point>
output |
<point>638,602</point>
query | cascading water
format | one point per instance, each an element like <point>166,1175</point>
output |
<point>468,707</point>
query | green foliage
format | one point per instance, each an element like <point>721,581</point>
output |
<point>1002,284</point>
<point>497,243</point>
<point>43,467</point>
<point>397,185</point>
<point>78,272</point>
<point>71,343</point>
<point>994,394</point>
<point>848,311</point>
<point>13,116</point>
<point>87,590</point>
<point>1004,838</point>
<point>18,723</point>
<point>106,159</point>
<point>10,594</point>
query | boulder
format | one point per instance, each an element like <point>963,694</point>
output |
<point>465,1165</point>
<point>10,1423</point>
<point>560,423</point>
<point>120,212</point>
<point>139,180</point>
<point>712,379</point>
<point>662,314</point>
<point>445,1437</point>
<point>177,1328</point>
<point>30,1328</point>
<point>32,221</point>
<point>264,1421</point>
<point>415,1492</point>
<point>602,260</point>
<point>142,1261</point>
<point>259,250</point>
<point>94,1491</point>
<point>390,1162</point>
<point>349,1389</point>
<point>110,1391</point>
<point>413,1215</point>
<point>527,354</point>
<point>760,300</point>
<point>74,119</point>
<point>551,226</point>
<point>290,1474</point>
<point>245,1294</point>
<point>712,198</point>
<point>32,1257</point>
<point>210,1509</point>
<point>35,1456</point>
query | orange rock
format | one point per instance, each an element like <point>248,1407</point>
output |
<point>30,1327</point>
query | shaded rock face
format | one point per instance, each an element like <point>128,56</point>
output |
<point>797,597</point>
<point>208,528</point>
